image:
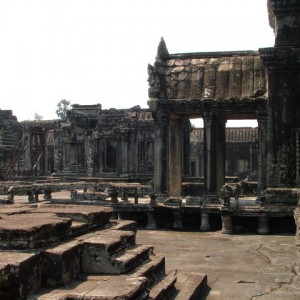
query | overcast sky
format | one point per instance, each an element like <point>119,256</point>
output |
<point>97,51</point>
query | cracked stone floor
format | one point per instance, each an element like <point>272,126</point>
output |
<point>237,266</point>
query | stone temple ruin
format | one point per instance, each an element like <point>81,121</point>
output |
<point>149,166</point>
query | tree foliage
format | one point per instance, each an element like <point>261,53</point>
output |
<point>37,117</point>
<point>62,107</point>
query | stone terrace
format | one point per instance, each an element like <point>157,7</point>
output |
<point>53,251</point>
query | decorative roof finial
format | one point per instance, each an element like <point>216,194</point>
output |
<point>162,51</point>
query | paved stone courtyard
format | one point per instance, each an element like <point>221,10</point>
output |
<point>237,266</point>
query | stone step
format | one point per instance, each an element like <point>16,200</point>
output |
<point>193,286</point>
<point>165,288</point>
<point>101,287</point>
<point>61,264</point>
<point>99,252</point>
<point>20,274</point>
<point>153,269</point>
<point>124,225</point>
<point>132,258</point>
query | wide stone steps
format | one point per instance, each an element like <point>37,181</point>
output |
<point>153,269</point>
<point>88,263</point>
<point>164,288</point>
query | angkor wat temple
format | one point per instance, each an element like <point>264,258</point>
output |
<point>60,249</point>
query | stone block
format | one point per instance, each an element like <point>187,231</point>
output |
<point>60,264</point>
<point>97,216</point>
<point>20,274</point>
<point>30,230</point>
<point>164,288</point>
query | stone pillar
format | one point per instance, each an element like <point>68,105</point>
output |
<point>262,154</point>
<point>214,152</point>
<point>205,225</point>
<point>90,151</point>
<point>151,222</point>
<point>283,66</point>
<point>297,154</point>
<point>58,151</point>
<point>177,219</point>
<point>226,222</point>
<point>263,224</point>
<point>186,148</point>
<point>160,155</point>
<point>175,157</point>
<point>221,137</point>
<point>26,144</point>
<point>124,154</point>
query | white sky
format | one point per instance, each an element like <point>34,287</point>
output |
<point>97,51</point>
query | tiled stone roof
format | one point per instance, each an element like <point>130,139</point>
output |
<point>233,135</point>
<point>213,75</point>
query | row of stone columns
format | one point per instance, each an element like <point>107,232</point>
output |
<point>168,165</point>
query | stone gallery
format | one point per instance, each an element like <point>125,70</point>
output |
<point>150,167</point>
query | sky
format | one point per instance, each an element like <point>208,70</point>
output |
<point>97,51</point>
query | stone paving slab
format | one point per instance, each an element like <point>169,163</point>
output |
<point>239,267</point>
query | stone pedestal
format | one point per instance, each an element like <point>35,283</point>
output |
<point>226,223</point>
<point>205,225</point>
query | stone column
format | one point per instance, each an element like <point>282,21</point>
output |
<point>124,154</point>
<point>186,148</point>
<point>205,225</point>
<point>90,151</point>
<point>297,146</point>
<point>151,222</point>
<point>175,157</point>
<point>221,136</point>
<point>262,154</point>
<point>133,152</point>
<point>263,224</point>
<point>26,144</point>
<point>58,151</point>
<point>160,155</point>
<point>177,219</point>
<point>214,152</point>
<point>226,222</point>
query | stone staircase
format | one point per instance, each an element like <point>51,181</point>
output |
<point>105,263</point>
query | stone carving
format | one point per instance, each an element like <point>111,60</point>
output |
<point>154,82</point>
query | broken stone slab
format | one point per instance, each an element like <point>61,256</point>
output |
<point>20,274</point>
<point>31,230</point>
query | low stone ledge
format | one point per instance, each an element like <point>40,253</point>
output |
<point>280,196</point>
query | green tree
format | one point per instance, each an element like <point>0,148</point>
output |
<point>62,107</point>
<point>37,117</point>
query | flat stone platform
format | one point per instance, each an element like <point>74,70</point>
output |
<point>239,267</point>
